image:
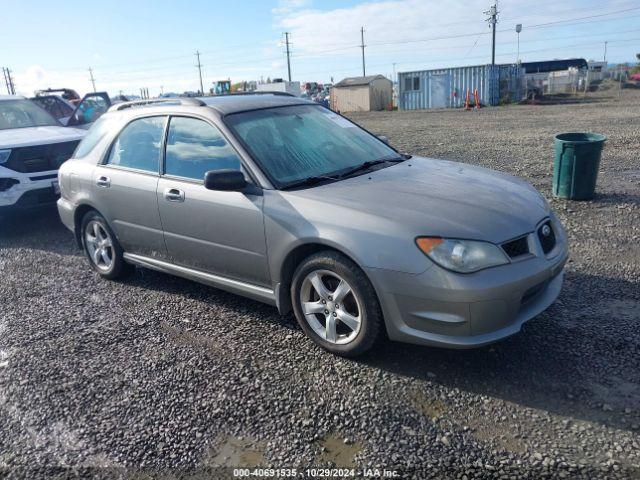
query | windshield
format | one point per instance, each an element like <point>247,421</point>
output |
<point>22,113</point>
<point>298,142</point>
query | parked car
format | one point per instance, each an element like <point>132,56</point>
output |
<point>243,193</point>
<point>33,145</point>
<point>80,115</point>
<point>66,94</point>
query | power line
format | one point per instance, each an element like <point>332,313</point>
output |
<point>477,35</point>
<point>540,25</point>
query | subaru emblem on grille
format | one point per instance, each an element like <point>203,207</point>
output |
<point>546,230</point>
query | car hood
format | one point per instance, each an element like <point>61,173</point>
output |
<point>24,137</point>
<point>437,198</point>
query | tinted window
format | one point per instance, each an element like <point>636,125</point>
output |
<point>138,145</point>
<point>96,133</point>
<point>55,106</point>
<point>194,147</point>
<point>90,109</point>
<point>22,113</point>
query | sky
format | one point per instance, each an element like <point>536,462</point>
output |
<point>152,44</point>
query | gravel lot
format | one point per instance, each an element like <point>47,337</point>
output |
<point>158,376</point>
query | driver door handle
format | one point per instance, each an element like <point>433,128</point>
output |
<point>104,182</point>
<point>173,195</point>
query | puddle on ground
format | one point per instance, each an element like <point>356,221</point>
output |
<point>238,452</point>
<point>337,452</point>
<point>429,407</point>
<point>498,435</point>
<point>190,339</point>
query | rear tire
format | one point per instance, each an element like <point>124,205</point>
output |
<point>335,304</point>
<point>101,247</point>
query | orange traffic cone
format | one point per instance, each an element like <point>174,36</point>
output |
<point>467,100</point>
<point>476,98</point>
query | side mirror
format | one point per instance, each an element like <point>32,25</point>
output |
<point>227,180</point>
<point>383,138</point>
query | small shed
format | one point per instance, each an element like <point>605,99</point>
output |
<point>362,94</point>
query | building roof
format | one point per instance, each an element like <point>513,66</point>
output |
<point>553,65</point>
<point>357,81</point>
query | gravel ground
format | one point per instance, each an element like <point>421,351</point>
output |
<point>158,376</point>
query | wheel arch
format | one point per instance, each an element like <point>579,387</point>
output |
<point>291,261</point>
<point>79,213</point>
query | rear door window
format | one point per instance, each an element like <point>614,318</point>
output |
<point>139,145</point>
<point>94,135</point>
<point>195,147</point>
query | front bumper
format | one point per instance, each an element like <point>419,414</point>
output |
<point>26,190</point>
<point>446,309</point>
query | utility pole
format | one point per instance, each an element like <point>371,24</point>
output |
<point>93,80</point>
<point>364,71</point>
<point>605,52</point>
<point>286,40</point>
<point>493,20</point>
<point>6,79</point>
<point>393,80</point>
<point>518,30</point>
<point>200,72</point>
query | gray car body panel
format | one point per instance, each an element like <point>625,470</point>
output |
<point>239,241</point>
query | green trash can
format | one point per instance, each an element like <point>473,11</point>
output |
<point>575,169</point>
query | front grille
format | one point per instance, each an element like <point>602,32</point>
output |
<point>547,241</point>
<point>40,158</point>
<point>516,248</point>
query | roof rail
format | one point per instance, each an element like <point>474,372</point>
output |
<point>194,102</point>
<point>261,92</point>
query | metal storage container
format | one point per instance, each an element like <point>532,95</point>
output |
<point>447,87</point>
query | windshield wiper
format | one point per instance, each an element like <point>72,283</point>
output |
<point>309,181</point>
<point>371,163</point>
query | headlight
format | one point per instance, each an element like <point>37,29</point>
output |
<point>463,256</point>
<point>4,156</point>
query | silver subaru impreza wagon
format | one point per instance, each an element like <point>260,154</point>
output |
<point>284,201</point>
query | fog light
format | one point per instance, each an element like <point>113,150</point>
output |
<point>7,183</point>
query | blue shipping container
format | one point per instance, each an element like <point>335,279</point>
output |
<point>447,87</point>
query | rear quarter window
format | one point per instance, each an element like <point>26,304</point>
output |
<point>97,132</point>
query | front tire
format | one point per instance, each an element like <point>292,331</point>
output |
<point>101,247</point>
<point>335,304</point>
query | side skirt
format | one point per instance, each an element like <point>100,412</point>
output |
<point>256,292</point>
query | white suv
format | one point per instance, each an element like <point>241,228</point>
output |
<point>33,145</point>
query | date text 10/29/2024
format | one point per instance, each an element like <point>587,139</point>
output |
<point>315,473</point>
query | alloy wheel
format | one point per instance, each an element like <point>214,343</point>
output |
<point>331,306</point>
<point>99,245</point>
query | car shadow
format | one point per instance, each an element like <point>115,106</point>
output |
<point>579,359</point>
<point>39,229</point>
